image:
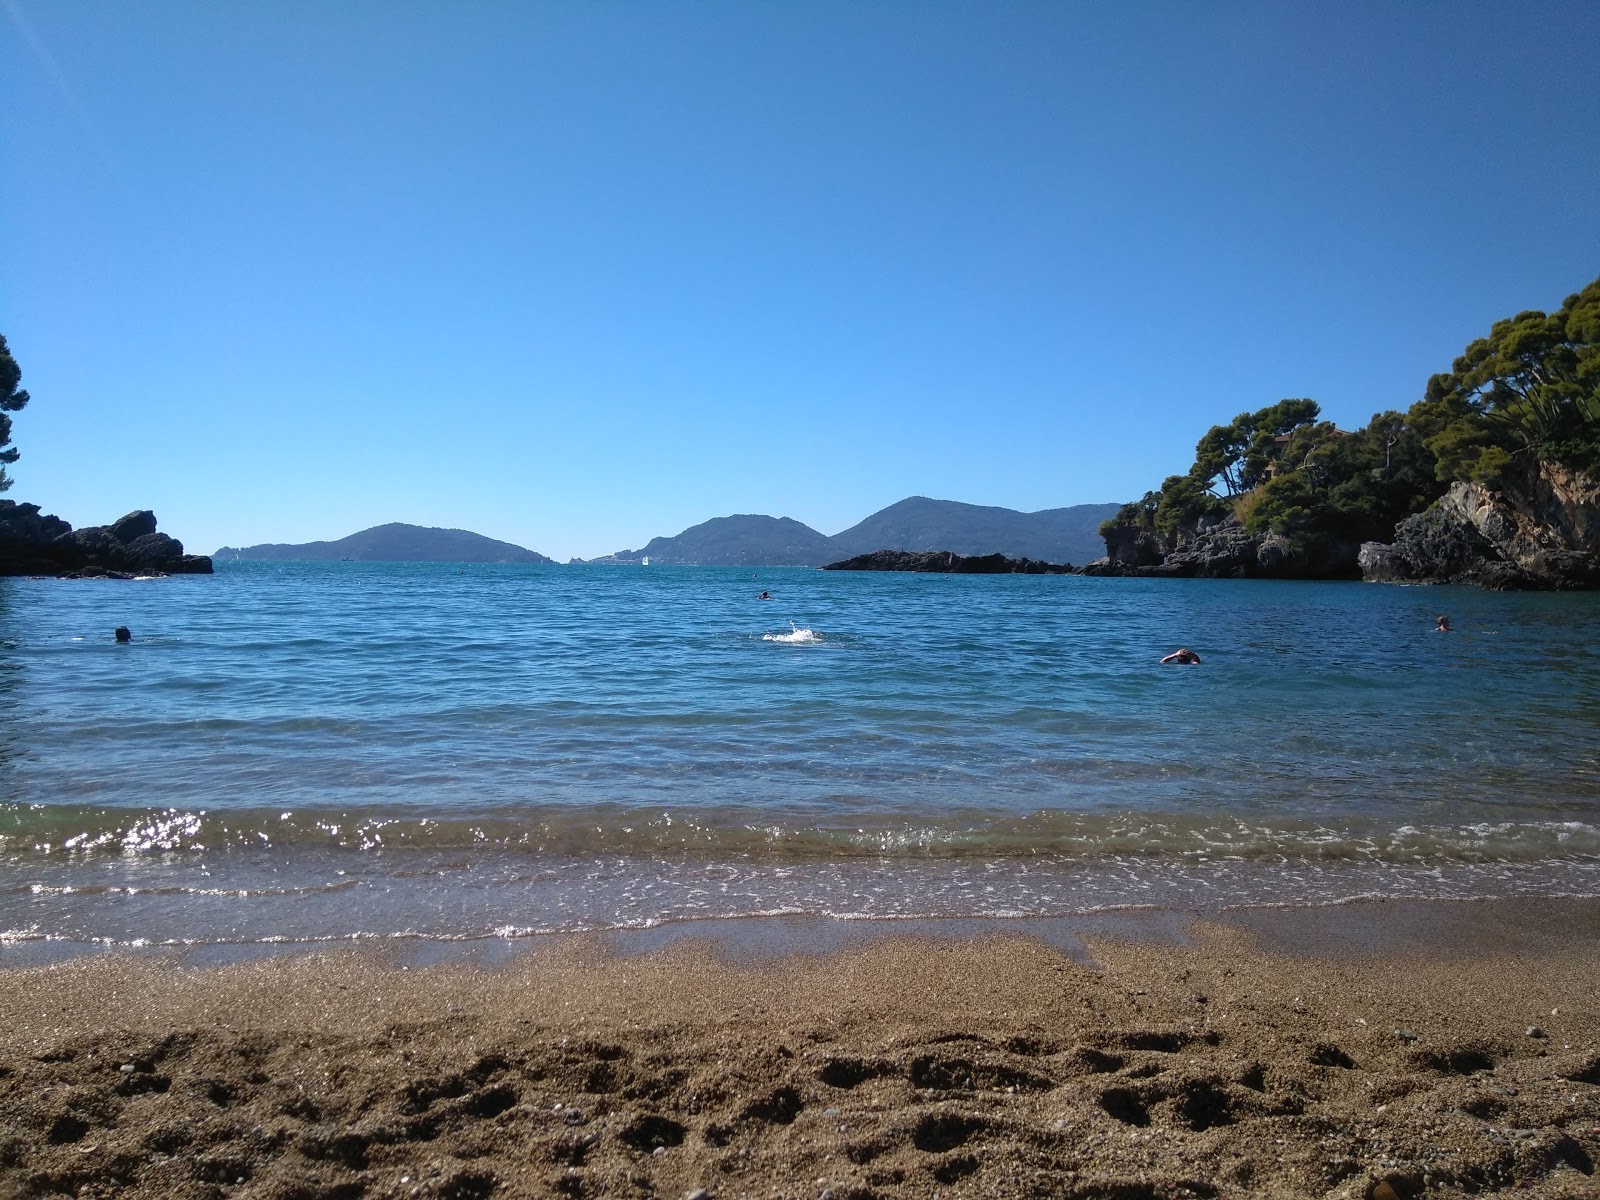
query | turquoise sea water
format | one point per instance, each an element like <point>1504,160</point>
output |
<point>319,750</point>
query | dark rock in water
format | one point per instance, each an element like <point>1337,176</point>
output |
<point>946,563</point>
<point>26,539</point>
<point>1220,549</point>
<point>133,526</point>
<point>35,544</point>
<point>1541,534</point>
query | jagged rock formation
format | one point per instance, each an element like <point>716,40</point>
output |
<point>1220,548</point>
<point>1544,534</point>
<point>947,563</point>
<point>35,544</point>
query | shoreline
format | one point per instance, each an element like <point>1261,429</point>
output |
<point>1370,924</point>
<point>292,899</point>
<point>1265,1053</point>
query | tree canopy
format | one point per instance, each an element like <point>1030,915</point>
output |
<point>1531,389</point>
<point>12,399</point>
<point>1528,392</point>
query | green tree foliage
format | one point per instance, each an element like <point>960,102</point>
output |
<point>1239,455</point>
<point>12,399</point>
<point>1529,391</point>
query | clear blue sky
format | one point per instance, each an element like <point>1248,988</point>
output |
<point>574,275</point>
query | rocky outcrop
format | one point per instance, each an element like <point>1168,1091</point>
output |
<point>1542,534</point>
<point>1220,548</point>
<point>944,562</point>
<point>32,543</point>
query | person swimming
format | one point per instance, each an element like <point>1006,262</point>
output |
<point>1444,624</point>
<point>1184,657</point>
<point>764,596</point>
<point>122,635</point>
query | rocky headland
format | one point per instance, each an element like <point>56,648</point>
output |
<point>1542,534</point>
<point>1491,478</point>
<point>32,543</point>
<point>944,562</point>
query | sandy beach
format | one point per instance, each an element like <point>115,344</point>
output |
<point>1362,1051</point>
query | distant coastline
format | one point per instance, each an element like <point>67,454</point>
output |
<point>916,524</point>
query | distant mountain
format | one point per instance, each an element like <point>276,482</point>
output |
<point>737,541</point>
<point>1053,534</point>
<point>395,543</point>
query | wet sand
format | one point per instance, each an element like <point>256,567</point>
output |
<point>1363,1051</point>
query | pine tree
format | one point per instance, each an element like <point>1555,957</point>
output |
<point>12,399</point>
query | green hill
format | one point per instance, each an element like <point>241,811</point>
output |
<point>919,523</point>
<point>743,540</point>
<point>394,543</point>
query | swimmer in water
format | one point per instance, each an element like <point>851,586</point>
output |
<point>1444,624</point>
<point>122,635</point>
<point>764,596</point>
<point>1184,657</point>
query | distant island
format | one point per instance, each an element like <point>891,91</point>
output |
<point>917,524</point>
<point>395,542</point>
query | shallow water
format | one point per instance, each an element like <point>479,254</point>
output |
<point>320,750</point>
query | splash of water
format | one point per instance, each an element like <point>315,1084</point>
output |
<point>798,635</point>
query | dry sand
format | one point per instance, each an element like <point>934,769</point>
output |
<point>1369,1051</point>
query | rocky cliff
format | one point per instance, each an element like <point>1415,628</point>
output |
<point>1220,548</point>
<point>35,544</point>
<point>1543,533</point>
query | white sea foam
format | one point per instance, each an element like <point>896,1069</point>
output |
<point>798,635</point>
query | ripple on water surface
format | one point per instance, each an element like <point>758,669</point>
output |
<point>863,745</point>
